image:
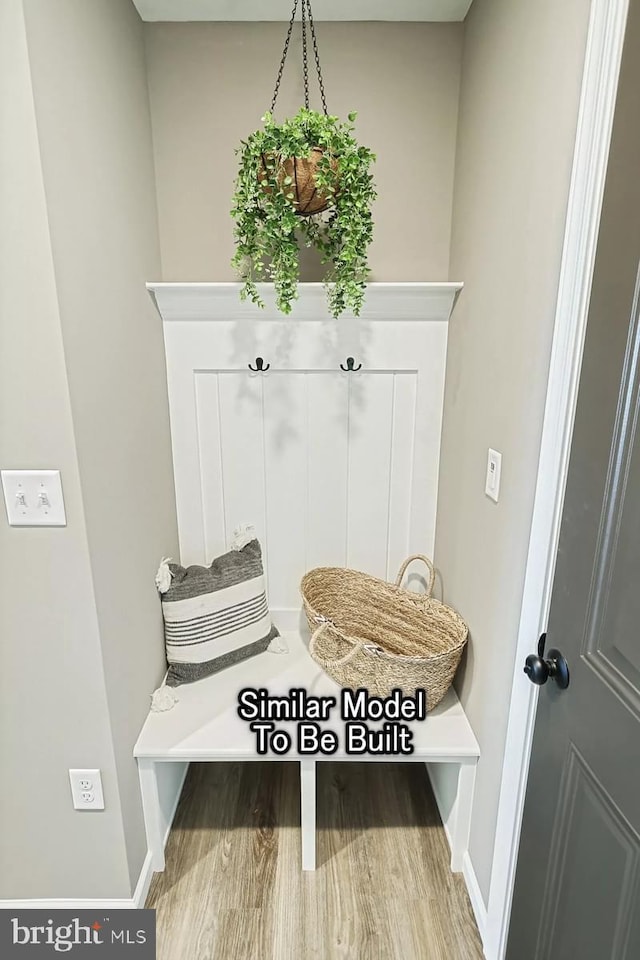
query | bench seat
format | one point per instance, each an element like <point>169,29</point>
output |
<point>204,726</point>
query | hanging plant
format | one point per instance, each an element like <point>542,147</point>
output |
<point>305,178</point>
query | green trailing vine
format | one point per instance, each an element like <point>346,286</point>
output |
<point>268,227</point>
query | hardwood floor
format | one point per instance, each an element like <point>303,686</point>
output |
<point>233,888</point>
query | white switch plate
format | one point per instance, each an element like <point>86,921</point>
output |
<point>494,469</point>
<point>33,498</point>
<point>86,789</point>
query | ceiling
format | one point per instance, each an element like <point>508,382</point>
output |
<point>424,10</point>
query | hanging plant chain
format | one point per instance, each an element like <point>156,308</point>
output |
<point>284,55</point>
<point>306,15</point>
<point>305,62</point>
<point>317,58</point>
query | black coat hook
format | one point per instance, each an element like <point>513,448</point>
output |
<point>260,367</point>
<point>350,366</point>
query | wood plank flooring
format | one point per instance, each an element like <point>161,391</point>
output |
<point>233,888</point>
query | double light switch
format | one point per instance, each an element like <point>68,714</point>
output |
<point>33,498</point>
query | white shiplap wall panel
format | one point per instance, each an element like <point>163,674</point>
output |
<point>368,481</point>
<point>242,453</point>
<point>285,480</point>
<point>430,378</point>
<point>403,431</point>
<point>332,468</point>
<point>327,455</point>
<point>185,443</point>
<point>208,419</point>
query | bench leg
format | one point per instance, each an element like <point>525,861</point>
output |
<point>308,813</point>
<point>460,836</point>
<point>152,813</point>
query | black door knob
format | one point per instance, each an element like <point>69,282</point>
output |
<point>536,669</point>
<point>539,669</point>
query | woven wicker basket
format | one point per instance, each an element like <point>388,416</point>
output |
<point>373,634</point>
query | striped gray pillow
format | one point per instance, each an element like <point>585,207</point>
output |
<point>214,616</point>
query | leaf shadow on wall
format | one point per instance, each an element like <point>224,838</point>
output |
<point>276,340</point>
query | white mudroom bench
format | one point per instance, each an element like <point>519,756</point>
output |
<point>204,726</point>
<point>325,435</point>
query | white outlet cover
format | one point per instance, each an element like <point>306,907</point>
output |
<point>33,498</point>
<point>86,789</point>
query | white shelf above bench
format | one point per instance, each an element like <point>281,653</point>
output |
<point>383,301</point>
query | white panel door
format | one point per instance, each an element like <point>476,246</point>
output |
<point>334,467</point>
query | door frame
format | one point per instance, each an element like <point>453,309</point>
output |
<point>603,58</point>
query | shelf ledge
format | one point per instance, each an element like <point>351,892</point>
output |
<point>384,301</point>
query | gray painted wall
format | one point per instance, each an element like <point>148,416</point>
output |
<point>92,109</point>
<point>521,77</point>
<point>53,706</point>
<point>211,82</point>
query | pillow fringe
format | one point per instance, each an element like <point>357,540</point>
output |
<point>278,645</point>
<point>242,535</point>
<point>163,698</point>
<point>164,575</point>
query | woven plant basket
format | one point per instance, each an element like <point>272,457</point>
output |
<point>302,170</point>
<point>373,634</point>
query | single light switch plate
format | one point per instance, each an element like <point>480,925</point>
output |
<point>86,789</point>
<point>33,498</point>
<point>494,469</point>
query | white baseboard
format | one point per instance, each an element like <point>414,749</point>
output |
<point>144,882</point>
<point>475,896</point>
<point>136,902</point>
<point>69,904</point>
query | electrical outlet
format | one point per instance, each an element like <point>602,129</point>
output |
<point>86,789</point>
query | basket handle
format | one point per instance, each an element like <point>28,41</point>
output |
<point>432,571</point>
<point>321,661</point>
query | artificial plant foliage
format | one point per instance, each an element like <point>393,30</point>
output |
<point>268,225</point>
